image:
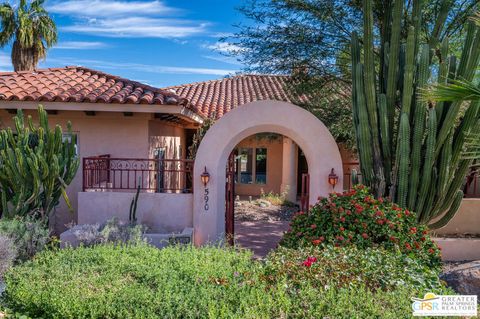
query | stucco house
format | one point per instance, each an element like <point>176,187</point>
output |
<point>132,134</point>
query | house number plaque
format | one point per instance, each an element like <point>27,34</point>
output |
<point>205,198</point>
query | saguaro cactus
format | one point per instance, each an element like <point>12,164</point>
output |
<point>36,166</point>
<point>410,150</point>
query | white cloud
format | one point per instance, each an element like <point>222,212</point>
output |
<point>115,18</point>
<point>138,67</point>
<point>138,27</point>
<point>185,70</point>
<point>221,58</point>
<point>223,47</point>
<point>221,34</point>
<point>80,45</point>
<point>109,8</point>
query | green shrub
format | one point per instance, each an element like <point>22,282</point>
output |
<point>9,314</point>
<point>109,281</point>
<point>8,253</point>
<point>29,236</point>
<point>357,218</point>
<point>112,231</point>
<point>114,281</point>
<point>351,303</point>
<point>115,230</point>
<point>277,199</point>
<point>344,267</point>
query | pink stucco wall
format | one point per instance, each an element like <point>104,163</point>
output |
<point>105,133</point>
<point>465,221</point>
<point>169,136</point>
<point>160,213</point>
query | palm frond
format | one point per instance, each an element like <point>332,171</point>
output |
<point>456,90</point>
<point>476,18</point>
<point>471,149</point>
<point>7,24</point>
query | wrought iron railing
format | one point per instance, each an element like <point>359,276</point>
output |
<point>104,173</point>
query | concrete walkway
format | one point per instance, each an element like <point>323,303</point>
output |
<point>259,236</point>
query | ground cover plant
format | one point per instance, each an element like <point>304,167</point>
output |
<point>139,281</point>
<point>8,254</point>
<point>357,218</point>
<point>28,236</point>
<point>347,267</point>
<point>112,231</point>
<point>105,281</point>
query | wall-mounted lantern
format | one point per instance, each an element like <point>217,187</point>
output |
<point>205,177</point>
<point>332,178</point>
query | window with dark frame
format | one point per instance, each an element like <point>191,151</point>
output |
<point>251,166</point>
<point>261,166</point>
<point>245,166</point>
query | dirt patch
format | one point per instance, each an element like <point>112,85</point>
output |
<point>448,266</point>
<point>260,210</point>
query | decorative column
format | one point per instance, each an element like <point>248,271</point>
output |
<point>289,169</point>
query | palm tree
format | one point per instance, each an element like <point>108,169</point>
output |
<point>31,30</point>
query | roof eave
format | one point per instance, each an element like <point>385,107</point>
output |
<point>177,109</point>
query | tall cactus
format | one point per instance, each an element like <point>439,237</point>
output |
<point>409,150</point>
<point>36,166</point>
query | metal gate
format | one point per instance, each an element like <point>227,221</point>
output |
<point>305,193</point>
<point>230,199</point>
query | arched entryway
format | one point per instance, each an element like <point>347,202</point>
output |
<point>283,118</point>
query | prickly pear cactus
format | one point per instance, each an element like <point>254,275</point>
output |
<point>409,149</point>
<point>36,166</point>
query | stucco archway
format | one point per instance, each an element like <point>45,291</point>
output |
<point>311,135</point>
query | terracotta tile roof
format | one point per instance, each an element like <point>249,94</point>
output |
<point>218,97</point>
<point>81,85</point>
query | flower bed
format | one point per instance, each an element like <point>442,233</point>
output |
<point>357,218</point>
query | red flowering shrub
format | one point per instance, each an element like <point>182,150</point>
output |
<point>357,218</point>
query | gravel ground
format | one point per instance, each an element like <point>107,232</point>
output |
<point>260,210</point>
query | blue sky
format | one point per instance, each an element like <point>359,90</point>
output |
<point>158,42</point>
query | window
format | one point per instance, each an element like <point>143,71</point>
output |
<point>251,166</point>
<point>245,166</point>
<point>261,165</point>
